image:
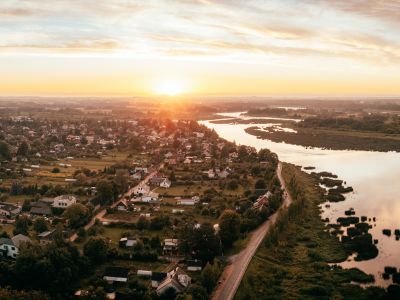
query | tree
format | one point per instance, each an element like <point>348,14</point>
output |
<point>77,215</point>
<point>82,232</point>
<point>233,185</point>
<point>40,225</point>
<point>205,244</point>
<point>96,249</point>
<point>172,177</point>
<point>105,192</point>
<point>210,274</point>
<point>208,279</point>
<point>121,180</point>
<point>22,225</point>
<point>142,223</point>
<point>7,293</point>
<point>5,151</point>
<point>229,227</point>
<point>53,268</point>
<point>23,149</point>
<point>260,184</point>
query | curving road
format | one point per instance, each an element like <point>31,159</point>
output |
<point>234,272</point>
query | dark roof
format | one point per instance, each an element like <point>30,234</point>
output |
<point>8,206</point>
<point>40,211</point>
<point>194,263</point>
<point>6,241</point>
<point>116,272</point>
<point>156,276</point>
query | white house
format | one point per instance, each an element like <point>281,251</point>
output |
<point>144,273</point>
<point>150,197</point>
<point>142,190</point>
<point>7,248</point>
<point>190,201</point>
<point>166,183</point>
<point>64,201</point>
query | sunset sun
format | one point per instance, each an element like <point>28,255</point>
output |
<point>169,88</point>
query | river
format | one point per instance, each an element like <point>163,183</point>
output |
<point>375,177</point>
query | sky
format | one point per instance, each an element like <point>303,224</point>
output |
<point>199,47</point>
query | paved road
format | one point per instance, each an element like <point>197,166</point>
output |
<point>234,272</point>
<point>100,214</point>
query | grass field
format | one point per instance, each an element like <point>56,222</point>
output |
<point>44,174</point>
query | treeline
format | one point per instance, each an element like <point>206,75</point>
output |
<point>388,124</point>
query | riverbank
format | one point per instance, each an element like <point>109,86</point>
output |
<point>331,139</point>
<point>294,260</point>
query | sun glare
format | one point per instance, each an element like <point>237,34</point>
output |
<point>170,88</point>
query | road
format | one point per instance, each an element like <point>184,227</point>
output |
<point>234,272</point>
<point>100,214</point>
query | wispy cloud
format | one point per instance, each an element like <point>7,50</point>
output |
<point>339,29</point>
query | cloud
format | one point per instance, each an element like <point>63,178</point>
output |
<point>383,10</point>
<point>77,45</point>
<point>188,28</point>
<point>15,12</point>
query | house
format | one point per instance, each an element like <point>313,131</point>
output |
<point>20,239</point>
<point>144,273</point>
<point>137,176</point>
<point>46,237</point>
<point>176,279</point>
<point>64,201</point>
<point>170,246</point>
<point>127,242</point>
<point>222,174</point>
<point>9,210</point>
<point>150,197</point>
<point>166,183</point>
<point>210,173</point>
<point>194,265</point>
<point>262,201</point>
<point>7,248</point>
<point>190,201</point>
<point>142,190</point>
<point>116,274</point>
<point>157,278</point>
<point>157,179</point>
<point>40,209</point>
<point>122,206</point>
<point>141,169</point>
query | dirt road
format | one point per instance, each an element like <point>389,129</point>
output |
<point>233,273</point>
